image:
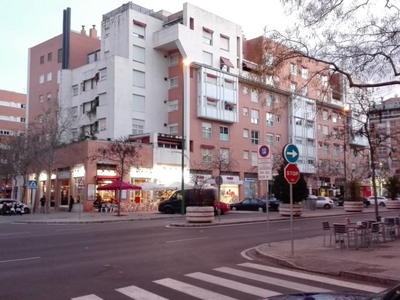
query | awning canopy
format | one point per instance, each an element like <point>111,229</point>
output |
<point>226,62</point>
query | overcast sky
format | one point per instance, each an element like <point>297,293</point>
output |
<point>26,23</point>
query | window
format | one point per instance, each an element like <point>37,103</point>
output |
<point>103,74</point>
<point>207,36</point>
<point>319,145</point>
<point>75,90</point>
<point>102,124</point>
<point>49,76</point>
<point>268,100</point>
<point>246,133</point>
<point>334,118</point>
<point>293,88</point>
<point>42,60</point>
<point>138,54</point>
<point>173,129</point>
<point>255,116</point>
<point>255,137</point>
<point>245,90</point>
<point>270,139</point>
<point>299,141</point>
<point>207,58</point>
<point>229,85</point>
<point>324,115</point>
<point>40,119</point>
<point>48,96</point>
<point>246,154</point>
<point>325,81</point>
<point>278,138</point>
<point>173,59</point>
<point>326,149</point>
<point>319,127</point>
<point>293,69</point>
<point>298,121</point>
<point>49,56</point>
<point>206,130</point>
<point>224,42</point>
<point>41,98</point>
<point>41,79</point>
<point>381,151</point>
<point>139,78</point>
<point>269,80</point>
<point>269,119</point>
<point>278,119</point>
<point>138,103</point>
<point>245,111</point>
<point>304,91</point>
<point>269,59</point>
<point>173,82</point>
<point>336,150</point>
<point>254,96</point>
<point>325,131</point>
<point>224,155</point>
<point>353,167</point>
<point>254,159</point>
<point>304,73</point>
<point>173,106</point>
<point>59,55</point>
<point>211,79</point>
<point>224,133</point>
<point>206,155</point>
<point>137,126</point>
<point>138,29</point>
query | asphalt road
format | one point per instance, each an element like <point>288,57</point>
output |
<point>67,261</point>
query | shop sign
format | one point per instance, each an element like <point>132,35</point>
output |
<point>202,178</point>
<point>78,171</point>
<point>66,174</point>
<point>230,179</point>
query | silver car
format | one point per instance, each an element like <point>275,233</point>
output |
<point>325,202</point>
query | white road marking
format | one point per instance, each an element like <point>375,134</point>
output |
<point>245,288</point>
<point>317,278</point>
<point>274,281</point>
<point>286,229</point>
<point>137,293</point>
<point>192,290</point>
<point>243,254</point>
<point>14,233</point>
<point>186,240</point>
<point>19,259</point>
<point>88,297</point>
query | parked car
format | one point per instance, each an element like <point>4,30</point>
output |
<point>26,209</point>
<point>273,202</point>
<point>325,202</point>
<point>192,197</point>
<point>381,200</point>
<point>338,200</point>
<point>366,201</point>
<point>252,204</point>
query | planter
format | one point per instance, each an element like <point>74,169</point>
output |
<point>356,206</point>
<point>200,214</point>
<point>393,204</point>
<point>284,210</point>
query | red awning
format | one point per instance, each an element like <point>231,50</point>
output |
<point>138,23</point>
<point>208,30</point>
<point>106,177</point>
<point>207,146</point>
<point>226,62</point>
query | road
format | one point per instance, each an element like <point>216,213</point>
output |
<point>69,261</point>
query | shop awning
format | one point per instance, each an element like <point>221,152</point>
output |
<point>106,177</point>
<point>207,146</point>
<point>226,62</point>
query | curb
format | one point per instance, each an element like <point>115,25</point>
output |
<point>286,262</point>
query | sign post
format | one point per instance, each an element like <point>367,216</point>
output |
<point>292,175</point>
<point>32,185</point>
<point>81,187</point>
<point>265,173</point>
<point>219,181</point>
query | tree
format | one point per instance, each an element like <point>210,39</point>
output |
<point>393,186</point>
<point>121,152</point>
<point>281,189</point>
<point>356,38</point>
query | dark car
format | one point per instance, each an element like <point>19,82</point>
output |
<point>366,201</point>
<point>273,202</point>
<point>252,204</point>
<point>338,200</point>
<point>192,197</point>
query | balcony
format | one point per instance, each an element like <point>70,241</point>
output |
<point>166,38</point>
<point>167,156</point>
<point>217,114</point>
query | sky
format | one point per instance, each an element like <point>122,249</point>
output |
<point>26,23</point>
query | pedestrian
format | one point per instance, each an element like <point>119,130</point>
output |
<point>42,203</point>
<point>71,202</point>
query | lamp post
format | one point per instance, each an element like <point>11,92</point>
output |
<point>345,111</point>
<point>185,63</point>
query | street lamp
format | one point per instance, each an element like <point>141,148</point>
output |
<point>345,111</point>
<point>185,63</point>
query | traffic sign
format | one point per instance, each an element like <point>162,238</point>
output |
<point>81,184</point>
<point>264,168</point>
<point>32,184</point>
<point>291,153</point>
<point>219,180</point>
<point>292,173</point>
<point>263,151</point>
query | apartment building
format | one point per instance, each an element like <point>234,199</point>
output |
<point>138,84</point>
<point>12,123</point>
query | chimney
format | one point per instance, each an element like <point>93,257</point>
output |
<point>93,32</point>
<point>83,31</point>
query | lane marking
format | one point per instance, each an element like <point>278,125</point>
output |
<point>185,240</point>
<point>317,278</point>
<point>3,234</point>
<point>137,293</point>
<point>286,229</point>
<point>192,290</point>
<point>88,297</point>
<point>234,285</point>
<point>274,281</point>
<point>244,253</point>
<point>19,259</point>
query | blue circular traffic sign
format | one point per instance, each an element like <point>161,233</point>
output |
<point>263,151</point>
<point>291,153</point>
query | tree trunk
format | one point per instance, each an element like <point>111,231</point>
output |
<point>119,192</point>
<point>374,188</point>
<point>48,191</point>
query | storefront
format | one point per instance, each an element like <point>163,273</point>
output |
<point>78,182</point>
<point>43,184</point>
<point>106,174</point>
<point>138,176</point>
<point>324,187</point>
<point>229,189</point>
<point>63,189</point>
<point>251,186</point>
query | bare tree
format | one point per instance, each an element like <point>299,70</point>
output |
<point>356,38</point>
<point>121,152</point>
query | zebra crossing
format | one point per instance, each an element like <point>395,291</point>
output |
<point>244,281</point>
